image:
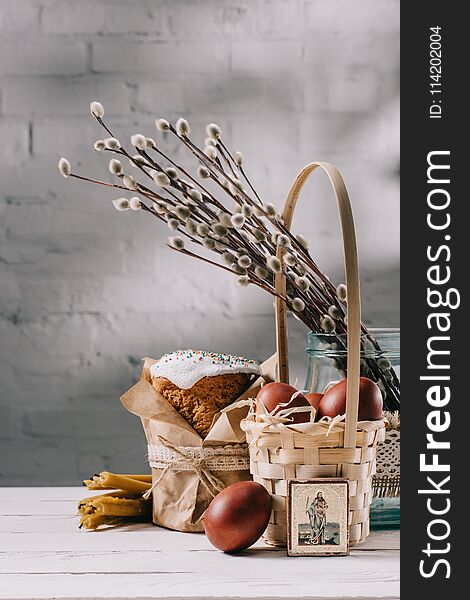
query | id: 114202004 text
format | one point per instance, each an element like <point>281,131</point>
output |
<point>435,72</point>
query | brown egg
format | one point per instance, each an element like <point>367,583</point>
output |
<point>237,516</point>
<point>275,393</point>
<point>314,399</point>
<point>333,402</point>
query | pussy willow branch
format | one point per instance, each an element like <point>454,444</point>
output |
<point>252,240</point>
<point>98,182</point>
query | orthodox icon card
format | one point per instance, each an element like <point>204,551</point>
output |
<point>317,516</point>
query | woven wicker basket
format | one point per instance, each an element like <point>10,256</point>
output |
<point>279,452</point>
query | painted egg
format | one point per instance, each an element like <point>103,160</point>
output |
<point>275,393</point>
<point>314,399</point>
<point>333,402</point>
<point>237,516</point>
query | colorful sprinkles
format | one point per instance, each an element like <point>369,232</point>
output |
<point>217,358</point>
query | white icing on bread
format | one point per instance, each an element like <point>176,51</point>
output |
<point>184,368</point>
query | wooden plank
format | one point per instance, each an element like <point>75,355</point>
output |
<point>42,524</point>
<point>141,536</point>
<point>39,507</point>
<point>60,533</point>
<point>42,494</point>
<point>362,583</point>
<point>260,564</point>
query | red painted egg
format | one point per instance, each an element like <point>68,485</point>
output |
<point>333,402</point>
<point>237,516</point>
<point>314,399</point>
<point>275,393</point>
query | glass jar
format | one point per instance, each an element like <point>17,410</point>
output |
<point>380,361</point>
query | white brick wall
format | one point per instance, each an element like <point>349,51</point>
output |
<point>85,292</point>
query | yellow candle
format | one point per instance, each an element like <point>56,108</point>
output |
<point>108,481</point>
<point>104,509</point>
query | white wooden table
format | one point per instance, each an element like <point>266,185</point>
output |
<point>43,554</point>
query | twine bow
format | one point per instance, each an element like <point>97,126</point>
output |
<point>198,464</point>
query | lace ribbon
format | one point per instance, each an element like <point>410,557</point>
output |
<point>202,461</point>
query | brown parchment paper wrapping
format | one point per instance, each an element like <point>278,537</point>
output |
<point>179,497</point>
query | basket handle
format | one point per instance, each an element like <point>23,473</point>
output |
<point>353,292</point>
